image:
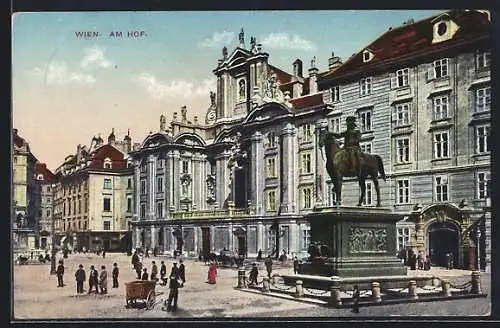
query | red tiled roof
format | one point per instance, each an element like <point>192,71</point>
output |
<point>18,141</point>
<point>307,101</point>
<point>415,38</point>
<point>283,77</point>
<point>107,151</point>
<point>41,168</point>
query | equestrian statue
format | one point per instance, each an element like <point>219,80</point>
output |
<point>350,161</point>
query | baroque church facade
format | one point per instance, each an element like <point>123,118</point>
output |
<point>245,178</point>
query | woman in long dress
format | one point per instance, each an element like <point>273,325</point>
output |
<point>212,273</point>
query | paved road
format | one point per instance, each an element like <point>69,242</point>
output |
<point>36,296</point>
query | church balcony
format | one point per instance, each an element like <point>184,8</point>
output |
<point>211,214</point>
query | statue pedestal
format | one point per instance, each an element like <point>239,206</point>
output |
<point>362,242</point>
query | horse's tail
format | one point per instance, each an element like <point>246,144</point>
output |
<point>380,166</point>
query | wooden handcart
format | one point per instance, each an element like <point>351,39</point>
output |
<point>141,290</point>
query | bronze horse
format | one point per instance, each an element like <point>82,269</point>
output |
<point>337,166</point>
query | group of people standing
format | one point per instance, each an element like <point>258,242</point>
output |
<point>97,281</point>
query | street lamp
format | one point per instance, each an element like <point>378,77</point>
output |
<point>478,248</point>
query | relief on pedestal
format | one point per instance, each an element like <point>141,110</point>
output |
<point>367,240</point>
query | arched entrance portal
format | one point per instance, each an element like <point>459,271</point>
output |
<point>443,238</point>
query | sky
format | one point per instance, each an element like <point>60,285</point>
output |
<point>68,88</point>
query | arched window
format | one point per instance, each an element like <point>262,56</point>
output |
<point>107,163</point>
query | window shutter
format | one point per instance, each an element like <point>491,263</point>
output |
<point>394,81</point>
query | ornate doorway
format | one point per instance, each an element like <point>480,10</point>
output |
<point>443,238</point>
<point>205,242</point>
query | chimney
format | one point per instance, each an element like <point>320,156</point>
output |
<point>15,131</point>
<point>78,153</point>
<point>128,142</point>
<point>313,75</point>
<point>334,61</point>
<point>195,119</point>
<point>297,68</point>
<point>174,116</point>
<point>183,113</point>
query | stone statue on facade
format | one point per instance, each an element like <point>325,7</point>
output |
<point>241,37</point>
<point>253,45</point>
<point>212,98</point>
<point>313,62</point>
<point>163,122</point>
<point>224,52</point>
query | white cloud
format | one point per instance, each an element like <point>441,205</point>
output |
<point>94,56</point>
<point>58,73</point>
<point>217,40</point>
<point>161,90</point>
<point>285,41</point>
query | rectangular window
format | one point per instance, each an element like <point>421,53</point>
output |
<point>159,184</point>
<point>271,167</point>
<point>441,145</point>
<point>440,107</point>
<point>482,135</point>
<point>107,183</point>
<point>48,189</point>
<point>483,99</point>
<point>307,132</point>
<point>271,200</point>
<point>365,119</point>
<point>366,147</point>
<point>144,166</point>
<point>159,209</point>
<point>403,114</point>
<point>143,187</point>
<point>331,196</point>
<point>403,150</point>
<point>143,211</point>
<point>129,183</point>
<point>107,204</point>
<point>271,140</point>
<point>129,205</point>
<point>79,205</point>
<point>107,225</point>
<point>441,183</point>
<point>48,213</point>
<point>86,204</point>
<point>336,124</point>
<point>48,200</point>
<point>305,163</point>
<point>403,191</point>
<point>365,86</point>
<point>185,166</point>
<point>335,93</point>
<point>401,78</point>
<point>64,209</point>
<point>69,206</point>
<point>403,237</point>
<point>306,238</point>
<point>438,69</point>
<point>306,198</point>
<point>160,163</point>
<point>483,60</point>
<point>368,193</point>
<point>483,185</point>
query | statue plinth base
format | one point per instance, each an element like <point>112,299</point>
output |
<point>362,242</point>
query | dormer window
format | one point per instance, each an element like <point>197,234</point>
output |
<point>107,163</point>
<point>444,29</point>
<point>39,177</point>
<point>367,56</point>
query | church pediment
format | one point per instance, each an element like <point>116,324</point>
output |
<point>189,139</point>
<point>237,57</point>
<point>155,140</point>
<point>266,112</point>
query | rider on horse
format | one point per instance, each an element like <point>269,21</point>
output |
<point>351,143</point>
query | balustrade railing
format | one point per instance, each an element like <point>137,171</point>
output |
<point>227,213</point>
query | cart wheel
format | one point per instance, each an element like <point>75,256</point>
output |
<point>150,302</point>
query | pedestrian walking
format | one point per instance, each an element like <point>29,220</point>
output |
<point>163,272</point>
<point>254,273</point>
<point>212,273</point>
<point>60,273</point>
<point>80,278</point>
<point>138,269</point>
<point>93,280</point>
<point>269,265</point>
<point>103,280</point>
<point>104,254</point>
<point>182,273</point>
<point>174,280</point>
<point>355,299</point>
<point>259,255</point>
<point>145,275</point>
<point>115,273</point>
<point>154,271</point>
<point>135,259</point>
<point>295,265</point>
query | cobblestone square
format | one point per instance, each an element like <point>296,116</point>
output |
<point>36,295</point>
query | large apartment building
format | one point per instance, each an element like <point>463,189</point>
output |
<point>93,198</point>
<point>245,178</point>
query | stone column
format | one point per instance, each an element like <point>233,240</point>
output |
<point>222,178</point>
<point>169,176</point>
<point>299,289</point>
<point>257,173</point>
<point>335,296</point>
<point>288,163</point>
<point>420,234</point>
<point>319,160</point>
<point>154,235</point>
<point>176,180</point>
<point>294,237</point>
<point>212,235</point>
<point>137,181</point>
<point>376,292</point>
<point>412,289</point>
<point>134,237</point>
<point>203,183</point>
<point>476,282</point>
<point>165,246</point>
<point>445,288</point>
<point>152,188</point>
<point>260,239</point>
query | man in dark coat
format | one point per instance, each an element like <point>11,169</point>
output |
<point>138,269</point>
<point>145,275</point>
<point>154,271</point>
<point>60,273</point>
<point>93,280</point>
<point>269,265</point>
<point>135,259</point>
<point>80,278</point>
<point>295,265</point>
<point>115,273</point>
<point>174,289</point>
<point>182,272</point>
<point>253,275</point>
<point>163,272</point>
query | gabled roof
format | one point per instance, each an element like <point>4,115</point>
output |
<point>41,168</point>
<point>307,101</point>
<point>414,39</point>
